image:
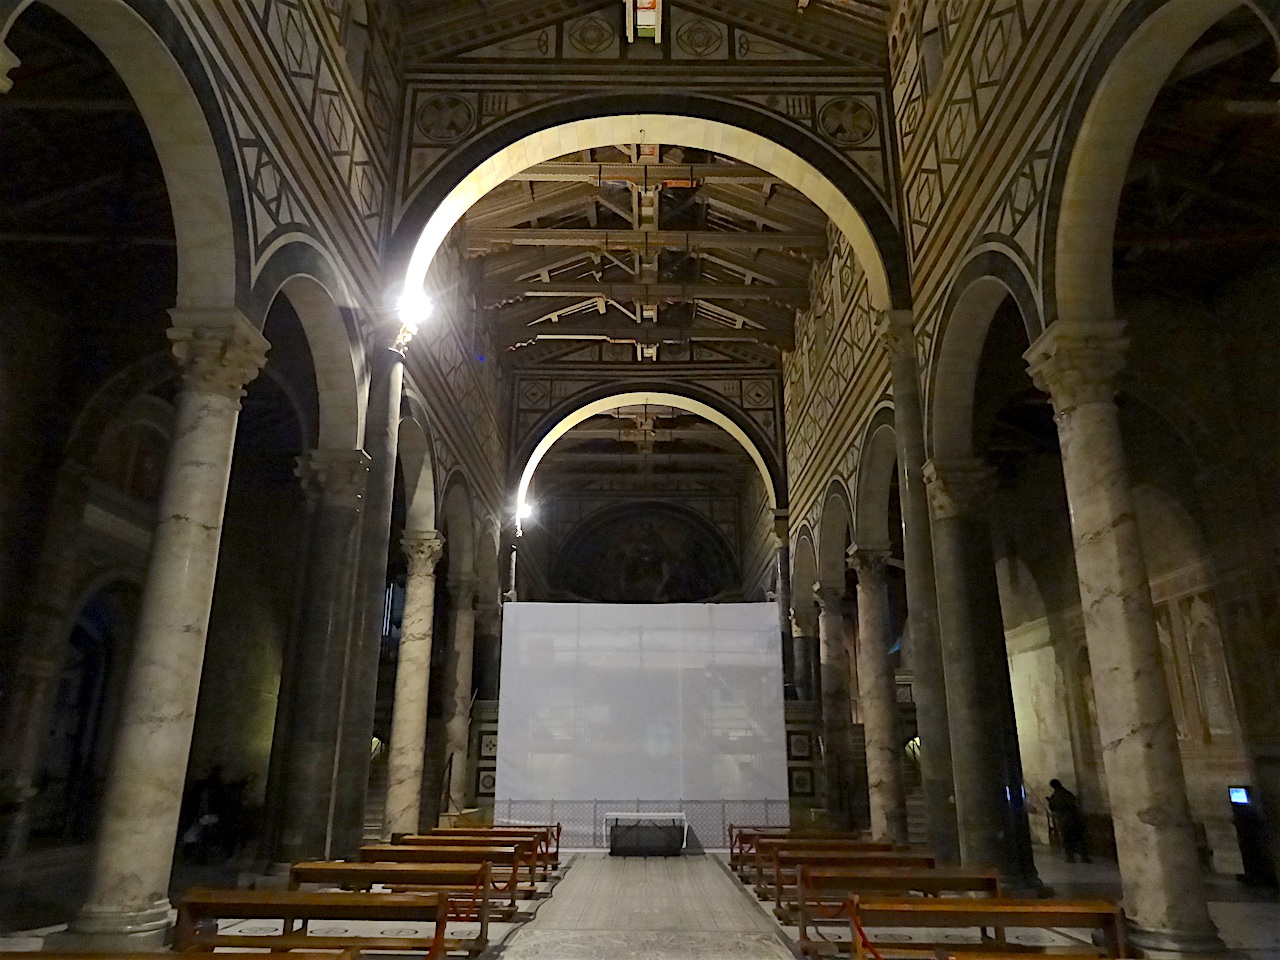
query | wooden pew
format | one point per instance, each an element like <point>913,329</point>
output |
<point>462,881</point>
<point>517,855</point>
<point>541,849</point>
<point>820,892</point>
<point>766,848</point>
<point>995,915</point>
<point>787,865</point>
<point>743,841</point>
<point>553,833</point>
<point>199,911</point>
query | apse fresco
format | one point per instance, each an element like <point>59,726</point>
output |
<point>648,553</point>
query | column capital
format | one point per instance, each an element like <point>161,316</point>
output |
<point>334,477</point>
<point>958,488</point>
<point>1078,362</point>
<point>897,334</point>
<point>220,351</point>
<point>422,548</point>
<point>868,563</point>
<point>829,599</point>
<point>8,60</point>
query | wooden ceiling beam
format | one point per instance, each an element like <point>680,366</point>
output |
<point>485,239</point>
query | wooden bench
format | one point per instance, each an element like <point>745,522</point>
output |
<point>517,856</point>
<point>552,831</point>
<point>541,850</point>
<point>462,881</point>
<point>743,841</point>
<point>787,865</point>
<point>767,848</point>
<point>819,889</point>
<point>200,910</point>
<point>986,915</point>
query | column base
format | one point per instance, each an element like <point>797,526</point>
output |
<point>1177,943</point>
<point>115,931</point>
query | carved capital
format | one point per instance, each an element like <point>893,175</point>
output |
<point>220,351</point>
<point>830,599</point>
<point>8,60</point>
<point>897,334</point>
<point>334,477</point>
<point>422,550</point>
<point>868,564</point>
<point>1078,363</point>
<point>958,488</point>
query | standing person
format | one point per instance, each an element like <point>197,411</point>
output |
<point>1069,820</point>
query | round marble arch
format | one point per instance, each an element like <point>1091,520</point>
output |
<point>184,141</point>
<point>612,402</point>
<point>716,136</point>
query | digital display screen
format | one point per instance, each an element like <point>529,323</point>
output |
<point>1239,794</point>
<point>641,702</point>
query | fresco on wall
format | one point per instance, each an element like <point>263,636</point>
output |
<point>645,553</point>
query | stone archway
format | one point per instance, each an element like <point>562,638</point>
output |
<point>506,151</point>
<point>590,409</point>
<point>198,182</point>
<point>1112,108</point>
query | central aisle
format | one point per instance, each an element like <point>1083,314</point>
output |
<point>658,908</point>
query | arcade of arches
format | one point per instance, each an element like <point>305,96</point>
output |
<point>328,327</point>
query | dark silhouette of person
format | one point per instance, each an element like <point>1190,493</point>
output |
<point>1070,822</point>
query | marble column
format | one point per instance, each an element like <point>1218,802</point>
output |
<point>836,713</point>
<point>805,656</point>
<point>782,579</point>
<point>413,675</point>
<point>458,683</point>
<point>128,906</point>
<point>878,699</point>
<point>487,661</point>
<point>990,798</point>
<point>316,674</point>
<point>382,428</point>
<point>897,334</point>
<point>1078,365</point>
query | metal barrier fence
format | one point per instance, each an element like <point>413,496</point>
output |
<point>583,820</point>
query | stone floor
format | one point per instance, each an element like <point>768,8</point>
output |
<point>658,908</point>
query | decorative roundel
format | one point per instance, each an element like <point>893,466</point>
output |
<point>445,118</point>
<point>846,121</point>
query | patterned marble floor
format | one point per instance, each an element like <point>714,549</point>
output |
<point>677,908</point>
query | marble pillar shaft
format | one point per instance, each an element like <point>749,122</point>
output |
<point>413,678</point>
<point>782,579</point>
<point>128,891</point>
<point>926,660</point>
<point>318,681</point>
<point>458,711</point>
<point>487,660</point>
<point>878,700</point>
<point>1155,840</point>
<point>837,716</point>
<point>990,800</point>
<point>381,435</point>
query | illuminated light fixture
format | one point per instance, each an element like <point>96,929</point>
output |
<point>412,308</point>
<point>644,20</point>
<point>524,510</point>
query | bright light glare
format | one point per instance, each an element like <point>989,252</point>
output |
<point>414,306</point>
<point>524,511</point>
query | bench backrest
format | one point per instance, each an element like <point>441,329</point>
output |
<point>346,871</point>
<point>507,854</point>
<point>817,881</point>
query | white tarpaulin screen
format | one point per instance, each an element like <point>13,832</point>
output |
<point>641,701</point>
